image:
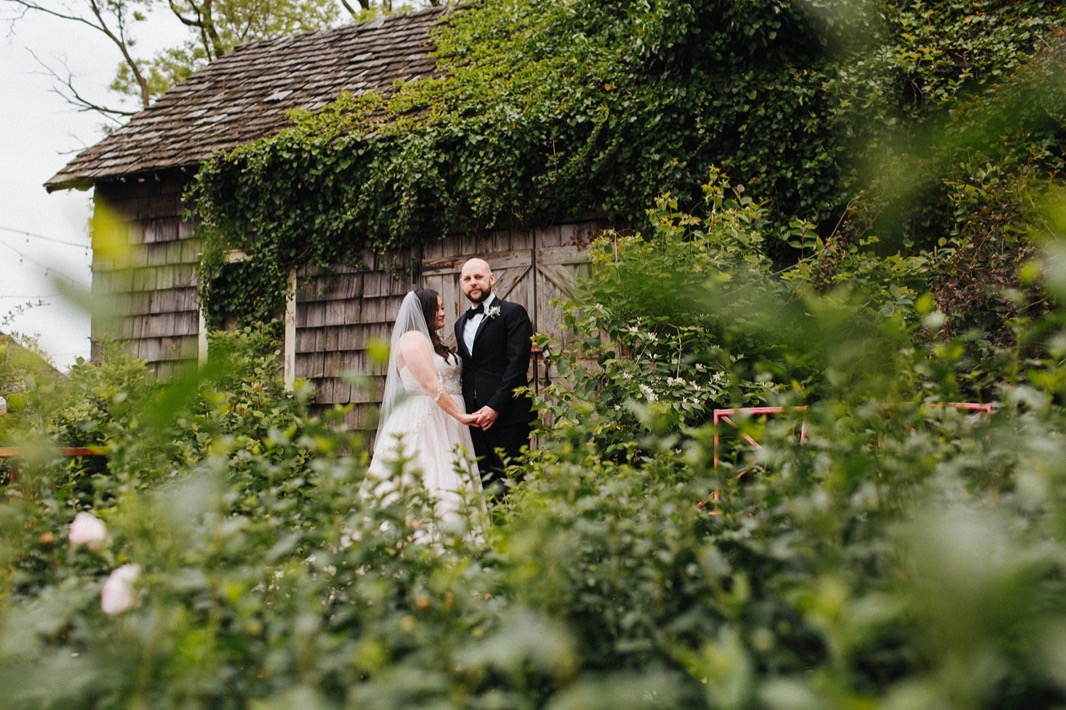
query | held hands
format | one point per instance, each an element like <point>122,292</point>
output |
<point>485,417</point>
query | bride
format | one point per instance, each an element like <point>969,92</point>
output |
<point>424,428</point>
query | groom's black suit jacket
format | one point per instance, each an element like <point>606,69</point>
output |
<point>499,363</point>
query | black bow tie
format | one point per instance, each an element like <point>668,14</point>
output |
<point>479,308</point>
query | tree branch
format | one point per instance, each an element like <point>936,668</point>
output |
<point>123,43</point>
<point>98,23</point>
<point>203,21</point>
<point>364,4</point>
<point>72,96</point>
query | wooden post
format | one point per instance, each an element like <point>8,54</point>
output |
<point>290,333</point>
<point>201,337</point>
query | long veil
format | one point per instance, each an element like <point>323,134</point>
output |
<point>410,317</point>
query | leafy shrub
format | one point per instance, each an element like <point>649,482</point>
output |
<point>674,322</point>
<point>901,553</point>
<point>878,548</point>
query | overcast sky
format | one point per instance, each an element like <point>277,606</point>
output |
<point>44,242</point>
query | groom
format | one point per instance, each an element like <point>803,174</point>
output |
<point>493,339</point>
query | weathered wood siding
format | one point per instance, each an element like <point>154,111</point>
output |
<point>340,313</point>
<point>151,283</point>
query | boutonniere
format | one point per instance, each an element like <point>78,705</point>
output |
<point>492,312</point>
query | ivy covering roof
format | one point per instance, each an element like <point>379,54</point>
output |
<point>247,94</point>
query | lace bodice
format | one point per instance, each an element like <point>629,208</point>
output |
<point>448,371</point>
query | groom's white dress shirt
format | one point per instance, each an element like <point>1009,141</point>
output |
<point>472,323</point>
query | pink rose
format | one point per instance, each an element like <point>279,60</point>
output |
<point>118,594</point>
<point>88,530</point>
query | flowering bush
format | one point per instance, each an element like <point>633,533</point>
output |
<point>677,323</point>
<point>88,530</point>
<point>897,553</point>
<point>904,554</point>
<point>118,593</point>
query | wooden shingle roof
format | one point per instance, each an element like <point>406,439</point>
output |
<point>244,96</point>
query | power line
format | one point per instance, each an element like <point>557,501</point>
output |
<point>41,296</point>
<point>47,268</point>
<point>53,240</point>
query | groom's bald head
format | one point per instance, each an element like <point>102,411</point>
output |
<point>476,279</point>
<point>476,264</point>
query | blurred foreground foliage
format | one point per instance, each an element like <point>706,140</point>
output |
<point>871,546</point>
<point>900,553</point>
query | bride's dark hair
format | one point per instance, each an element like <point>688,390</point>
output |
<point>428,298</point>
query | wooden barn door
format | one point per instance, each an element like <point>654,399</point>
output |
<point>535,271</point>
<point>514,282</point>
<point>556,271</point>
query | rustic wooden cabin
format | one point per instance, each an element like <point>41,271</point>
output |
<point>141,171</point>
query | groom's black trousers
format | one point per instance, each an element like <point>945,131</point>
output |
<point>508,437</point>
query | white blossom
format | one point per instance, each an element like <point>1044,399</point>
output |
<point>87,529</point>
<point>118,594</point>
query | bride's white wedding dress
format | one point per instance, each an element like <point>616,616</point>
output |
<point>436,448</point>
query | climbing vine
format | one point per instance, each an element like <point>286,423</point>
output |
<point>566,108</point>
